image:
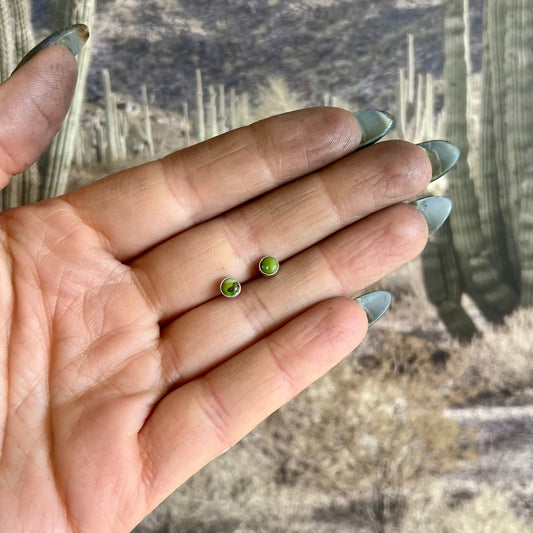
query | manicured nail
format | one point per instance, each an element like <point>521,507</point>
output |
<point>435,209</point>
<point>375,305</point>
<point>374,125</point>
<point>443,156</point>
<point>72,38</point>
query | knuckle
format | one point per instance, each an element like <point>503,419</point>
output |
<point>284,375</point>
<point>404,168</point>
<point>215,414</point>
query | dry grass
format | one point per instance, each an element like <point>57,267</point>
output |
<point>488,511</point>
<point>497,360</point>
<point>376,430</point>
<point>501,358</point>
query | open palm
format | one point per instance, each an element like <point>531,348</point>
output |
<point>123,370</point>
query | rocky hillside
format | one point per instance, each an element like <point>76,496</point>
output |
<point>349,48</point>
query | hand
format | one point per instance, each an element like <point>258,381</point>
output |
<point>123,370</point>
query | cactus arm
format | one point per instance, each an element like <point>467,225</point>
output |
<point>212,112</point>
<point>519,119</point>
<point>482,280</point>
<point>200,118</point>
<point>444,284</point>
<point>147,123</point>
<point>222,108</point>
<point>494,199</point>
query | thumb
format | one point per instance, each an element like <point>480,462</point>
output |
<point>35,100</point>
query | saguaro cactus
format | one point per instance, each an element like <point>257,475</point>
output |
<point>519,134</point>
<point>491,234</point>
<point>114,133</point>
<point>16,38</point>
<point>415,102</point>
<point>148,136</point>
<point>200,117</point>
<point>7,40</point>
<point>24,38</point>
<point>496,218</point>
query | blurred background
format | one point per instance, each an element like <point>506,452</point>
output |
<point>428,425</point>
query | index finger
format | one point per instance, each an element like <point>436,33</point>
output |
<point>140,207</point>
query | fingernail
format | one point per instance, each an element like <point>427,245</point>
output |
<point>435,209</point>
<point>375,304</point>
<point>443,156</point>
<point>72,38</point>
<point>374,125</point>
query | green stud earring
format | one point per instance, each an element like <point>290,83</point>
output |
<point>268,266</point>
<point>230,287</point>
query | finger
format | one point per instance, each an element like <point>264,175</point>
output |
<point>33,104</point>
<point>200,420</point>
<point>139,207</point>
<point>341,265</point>
<point>186,270</point>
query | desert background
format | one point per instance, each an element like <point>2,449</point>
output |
<point>422,428</point>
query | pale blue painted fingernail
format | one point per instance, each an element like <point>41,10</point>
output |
<point>374,125</point>
<point>436,209</point>
<point>375,304</point>
<point>72,38</point>
<point>443,156</point>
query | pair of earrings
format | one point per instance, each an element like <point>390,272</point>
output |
<point>230,287</point>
